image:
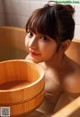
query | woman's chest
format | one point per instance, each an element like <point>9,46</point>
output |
<point>52,83</point>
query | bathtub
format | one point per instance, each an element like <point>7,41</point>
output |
<point>12,46</point>
<point>73,51</point>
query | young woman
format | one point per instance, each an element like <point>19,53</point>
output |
<point>49,33</point>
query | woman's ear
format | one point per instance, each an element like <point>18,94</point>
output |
<point>66,44</point>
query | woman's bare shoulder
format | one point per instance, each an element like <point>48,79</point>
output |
<point>72,80</point>
<point>71,76</point>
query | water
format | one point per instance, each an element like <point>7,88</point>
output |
<point>14,84</point>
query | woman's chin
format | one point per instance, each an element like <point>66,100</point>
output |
<point>35,60</point>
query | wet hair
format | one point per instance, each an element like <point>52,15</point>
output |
<point>56,21</point>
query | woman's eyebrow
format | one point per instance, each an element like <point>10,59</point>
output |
<point>30,30</point>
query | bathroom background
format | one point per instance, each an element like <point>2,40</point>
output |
<point>16,13</point>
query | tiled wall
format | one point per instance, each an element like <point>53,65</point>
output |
<point>77,21</point>
<point>16,12</point>
<point>2,17</point>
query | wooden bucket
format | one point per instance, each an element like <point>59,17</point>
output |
<point>21,86</point>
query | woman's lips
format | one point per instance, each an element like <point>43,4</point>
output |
<point>34,54</point>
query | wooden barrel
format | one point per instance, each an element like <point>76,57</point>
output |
<point>73,51</point>
<point>12,43</point>
<point>21,86</point>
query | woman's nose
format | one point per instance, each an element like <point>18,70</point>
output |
<point>33,43</point>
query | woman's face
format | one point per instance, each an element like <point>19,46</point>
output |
<point>41,48</point>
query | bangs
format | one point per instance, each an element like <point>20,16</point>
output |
<point>43,21</point>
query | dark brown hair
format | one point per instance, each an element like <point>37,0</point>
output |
<point>55,21</point>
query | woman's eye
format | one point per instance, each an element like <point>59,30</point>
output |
<point>44,38</point>
<point>30,34</point>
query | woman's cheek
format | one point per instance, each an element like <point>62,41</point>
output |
<point>26,43</point>
<point>42,46</point>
